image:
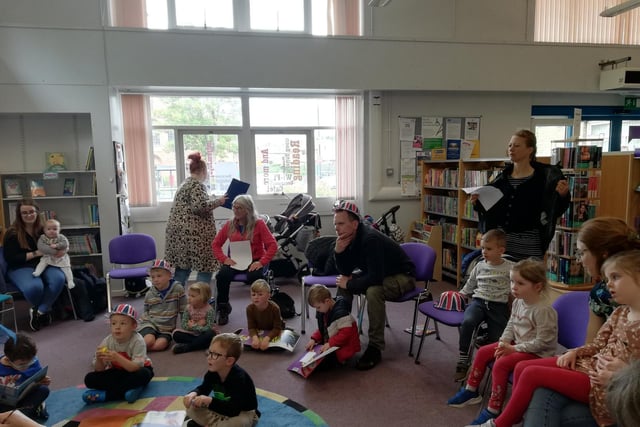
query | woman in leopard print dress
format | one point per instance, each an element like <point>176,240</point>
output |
<point>191,226</point>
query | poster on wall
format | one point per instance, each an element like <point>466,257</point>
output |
<point>410,143</point>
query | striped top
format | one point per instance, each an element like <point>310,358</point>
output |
<point>161,309</point>
<point>524,244</point>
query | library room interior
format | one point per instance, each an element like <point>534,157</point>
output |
<point>405,107</point>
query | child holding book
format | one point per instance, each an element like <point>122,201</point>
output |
<point>531,333</point>
<point>263,315</point>
<point>18,364</point>
<point>336,326</point>
<point>488,284</point>
<point>198,318</point>
<point>54,247</point>
<point>163,303</point>
<point>121,366</point>
<point>227,395</point>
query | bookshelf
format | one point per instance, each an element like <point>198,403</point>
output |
<point>581,163</point>
<point>621,174</point>
<point>78,213</point>
<point>444,203</point>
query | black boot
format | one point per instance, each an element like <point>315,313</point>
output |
<point>224,308</point>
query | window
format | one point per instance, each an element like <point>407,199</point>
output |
<point>317,17</point>
<point>282,145</point>
<point>579,21</point>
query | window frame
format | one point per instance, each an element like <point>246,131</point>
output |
<point>270,204</point>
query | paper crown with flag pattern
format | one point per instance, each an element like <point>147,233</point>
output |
<point>450,301</point>
<point>125,310</point>
<point>346,205</point>
<point>162,264</point>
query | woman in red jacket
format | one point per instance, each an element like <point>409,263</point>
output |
<point>245,225</point>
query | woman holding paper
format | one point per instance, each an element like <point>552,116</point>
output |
<point>535,195</point>
<point>191,226</point>
<point>244,226</point>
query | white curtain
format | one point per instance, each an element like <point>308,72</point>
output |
<point>348,136</point>
<point>579,21</point>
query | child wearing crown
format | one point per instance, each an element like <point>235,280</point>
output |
<point>162,304</point>
<point>120,363</point>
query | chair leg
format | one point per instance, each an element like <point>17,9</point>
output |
<point>362,302</point>
<point>108,293</point>
<point>73,306</point>
<point>304,314</point>
<point>426,325</point>
<point>413,328</point>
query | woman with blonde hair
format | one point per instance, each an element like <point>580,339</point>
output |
<point>245,225</point>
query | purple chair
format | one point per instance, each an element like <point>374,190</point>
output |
<point>573,318</point>
<point>126,254</point>
<point>449,318</point>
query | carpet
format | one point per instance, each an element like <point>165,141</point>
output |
<point>66,408</point>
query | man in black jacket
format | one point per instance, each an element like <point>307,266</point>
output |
<point>383,271</point>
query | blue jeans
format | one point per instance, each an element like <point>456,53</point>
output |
<point>182,275</point>
<point>41,292</point>
<point>552,409</point>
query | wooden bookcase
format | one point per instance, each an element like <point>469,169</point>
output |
<point>443,202</point>
<point>620,178</point>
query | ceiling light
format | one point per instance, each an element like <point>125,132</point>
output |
<point>621,8</point>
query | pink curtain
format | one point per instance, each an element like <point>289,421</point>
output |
<point>348,134</point>
<point>343,17</point>
<point>579,21</point>
<point>128,13</point>
<point>137,137</point>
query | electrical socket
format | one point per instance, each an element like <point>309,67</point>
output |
<point>389,171</point>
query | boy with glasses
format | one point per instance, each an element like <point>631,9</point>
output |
<point>227,394</point>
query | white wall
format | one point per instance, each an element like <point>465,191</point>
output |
<point>446,57</point>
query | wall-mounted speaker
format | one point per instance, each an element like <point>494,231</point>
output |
<point>375,98</point>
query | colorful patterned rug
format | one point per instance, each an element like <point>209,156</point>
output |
<point>66,408</point>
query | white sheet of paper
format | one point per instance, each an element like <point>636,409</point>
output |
<point>487,195</point>
<point>240,252</point>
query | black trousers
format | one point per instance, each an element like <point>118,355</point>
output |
<point>117,381</point>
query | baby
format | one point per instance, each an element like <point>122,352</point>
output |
<point>50,244</point>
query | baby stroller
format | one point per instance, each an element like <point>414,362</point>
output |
<point>387,224</point>
<point>293,229</point>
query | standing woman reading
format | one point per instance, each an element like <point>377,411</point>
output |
<point>22,255</point>
<point>534,197</point>
<point>191,226</point>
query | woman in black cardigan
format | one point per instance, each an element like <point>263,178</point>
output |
<point>535,196</point>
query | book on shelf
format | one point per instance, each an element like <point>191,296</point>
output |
<point>12,188</point>
<point>12,207</point>
<point>11,394</point>
<point>82,244</point>
<point>37,188</point>
<point>54,162</point>
<point>69,187</point>
<point>48,214</point>
<point>309,361</point>
<point>91,161</point>
<point>287,340</point>
<point>94,215</point>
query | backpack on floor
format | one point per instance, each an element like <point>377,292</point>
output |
<point>136,286</point>
<point>285,302</point>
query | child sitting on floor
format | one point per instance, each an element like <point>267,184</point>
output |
<point>163,303</point>
<point>18,364</point>
<point>336,326</point>
<point>121,366</point>
<point>197,321</point>
<point>227,395</point>
<point>263,315</point>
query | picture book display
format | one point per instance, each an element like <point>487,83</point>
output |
<point>69,187</point>
<point>287,340</point>
<point>55,162</point>
<point>10,394</point>
<point>37,188</point>
<point>310,360</point>
<point>12,188</point>
<point>236,187</point>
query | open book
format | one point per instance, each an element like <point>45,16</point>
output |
<point>287,340</point>
<point>159,419</point>
<point>310,360</point>
<point>10,394</point>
